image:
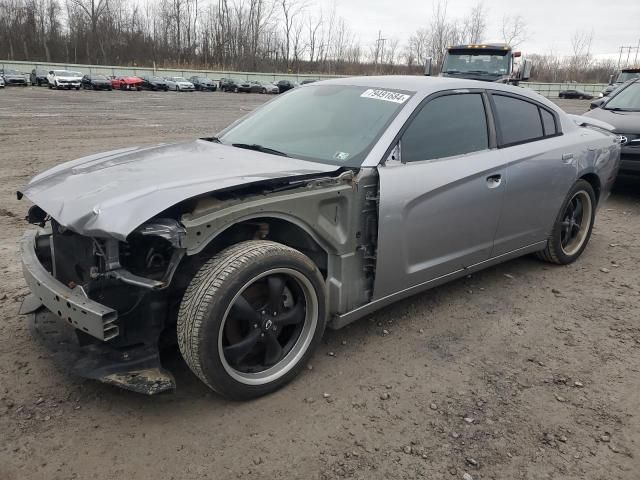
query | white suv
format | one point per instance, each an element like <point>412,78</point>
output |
<point>64,79</point>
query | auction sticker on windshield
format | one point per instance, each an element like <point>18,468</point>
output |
<point>385,95</point>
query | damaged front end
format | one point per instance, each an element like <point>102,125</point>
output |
<point>104,306</point>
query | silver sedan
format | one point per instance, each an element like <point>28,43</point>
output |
<point>318,208</point>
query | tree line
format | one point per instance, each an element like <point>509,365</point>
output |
<point>252,35</point>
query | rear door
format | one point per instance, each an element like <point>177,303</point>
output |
<point>439,205</point>
<point>540,169</point>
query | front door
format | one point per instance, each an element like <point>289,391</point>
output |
<point>439,206</point>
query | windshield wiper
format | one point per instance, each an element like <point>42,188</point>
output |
<point>452,71</point>
<point>259,148</point>
<point>619,109</point>
<point>479,71</point>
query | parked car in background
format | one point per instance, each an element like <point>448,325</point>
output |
<point>179,84</point>
<point>13,77</point>
<point>575,93</point>
<point>64,79</point>
<point>244,246</point>
<point>38,76</point>
<point>254,86</point>
<point>268,87</point>
<point>285,85</point>
<point>229,85</point>
<point>1,82</point>
<point>203,83</point>
<point>622,110</point>
<point>152,82</point>
<point>126,82</point>
<point>96,82</point>
<point>616,81</point>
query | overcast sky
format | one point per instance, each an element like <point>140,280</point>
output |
<point>550,23</point>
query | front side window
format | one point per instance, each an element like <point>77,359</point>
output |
<point>446,126</point>
<point>518,120</point>
<point>336,124</point>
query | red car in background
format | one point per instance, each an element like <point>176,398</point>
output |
<point>126,83</point>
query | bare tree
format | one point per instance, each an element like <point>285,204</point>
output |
<point>514,30</point>
<point>581,46</point>
<point>440,31</point>
<point>475,24</point>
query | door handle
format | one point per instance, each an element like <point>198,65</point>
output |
<point>494,181</point>
<point>567,157</point>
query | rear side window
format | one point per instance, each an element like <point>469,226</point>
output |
<point>446,126</point>
<point>548,122</point>
<point>518,120</point>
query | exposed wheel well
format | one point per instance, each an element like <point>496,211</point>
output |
<point>593,179</point>
<point>275,229</point>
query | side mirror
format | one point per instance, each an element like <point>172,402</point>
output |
<point>610,79</point>
<point>525,69</point>
<point>428,65</point>
<point>596,103</point>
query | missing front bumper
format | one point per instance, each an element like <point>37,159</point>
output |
<point>137,369</point>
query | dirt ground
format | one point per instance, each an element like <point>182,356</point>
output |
<point>523,371</point>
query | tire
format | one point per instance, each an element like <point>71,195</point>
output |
<point>235,90</point>
<point>264,90</point>
<point>205,322</point>
<point>559,249</point>
<point>50,87</point>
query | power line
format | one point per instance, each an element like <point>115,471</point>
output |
<point>379,50</point>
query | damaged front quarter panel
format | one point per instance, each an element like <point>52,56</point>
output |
<point>337,215</point>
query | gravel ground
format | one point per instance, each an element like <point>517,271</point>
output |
<point>522,371</point>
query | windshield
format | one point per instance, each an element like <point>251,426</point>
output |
<point>334,124</point>
<point>473,62</point>
<point>179,79</point>
<point>98,77</point>
<point>627,99</point>
<point>626,76</point>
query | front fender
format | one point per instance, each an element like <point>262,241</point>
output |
<point>325,213</point>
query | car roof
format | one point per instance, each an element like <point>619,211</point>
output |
<point>425,85</point>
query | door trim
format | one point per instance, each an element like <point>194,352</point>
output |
<point>341,320</point>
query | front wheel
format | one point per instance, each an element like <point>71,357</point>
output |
<point>572,228</point>
<point>251,317</point>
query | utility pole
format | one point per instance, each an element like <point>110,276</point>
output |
<point>379,49</point>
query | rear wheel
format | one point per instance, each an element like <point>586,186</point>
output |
<point>572,229</point>
<point>251,317</point>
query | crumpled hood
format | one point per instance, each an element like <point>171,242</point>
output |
<point>111,194</point>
